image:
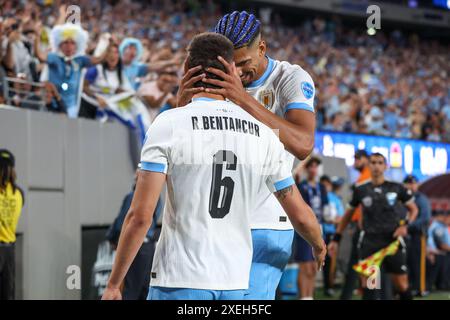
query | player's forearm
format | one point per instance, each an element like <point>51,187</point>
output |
<point>297,140</point>
<point>423,219</point>
<point>345,220</point>
<point>301,215</point>
<point>413,212</point>
<point>131,239</point>
<point>308,227</point>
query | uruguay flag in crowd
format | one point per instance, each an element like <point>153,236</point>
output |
<point>129,109</point>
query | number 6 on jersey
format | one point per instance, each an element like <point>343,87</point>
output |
<point>217,183</point>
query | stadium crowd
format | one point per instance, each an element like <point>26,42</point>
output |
<point>389,84</point>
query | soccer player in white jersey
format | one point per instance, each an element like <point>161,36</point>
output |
<point>216,159</point>
<point>280,95</point>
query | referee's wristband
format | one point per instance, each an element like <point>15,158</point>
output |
<point>337,237</point>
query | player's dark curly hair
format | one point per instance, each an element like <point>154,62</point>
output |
<point>242,28</point>
<point>204,50</point>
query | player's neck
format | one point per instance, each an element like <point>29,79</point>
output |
<point>263,68</point>
<point>377,181</point>
<point>208,96</point>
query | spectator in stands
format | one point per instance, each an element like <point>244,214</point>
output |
<point>159,94</point>
<point>12,201</point>
<point>332,217</point>
<point>19,57</point>
<point>66,62</point>
<point>336,122</point>
<point>131,51</point>
<point>24,95</point>
<point>375,121</point>
<point>53,101</point>
<point>102,82</point>
<point>391,119</point>
<point>10,35</point>
<point>315,195</point>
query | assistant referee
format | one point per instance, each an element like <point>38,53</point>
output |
<point>383,215</point>
<point>11,204</point>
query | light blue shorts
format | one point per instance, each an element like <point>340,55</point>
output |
<point>163,293</point>
<point>271,253</point>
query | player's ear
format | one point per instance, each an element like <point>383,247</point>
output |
<point>262,48</point>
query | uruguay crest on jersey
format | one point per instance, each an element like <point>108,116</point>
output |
<point>266,98</point>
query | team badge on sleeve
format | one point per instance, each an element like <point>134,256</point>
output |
<point>307,89</point>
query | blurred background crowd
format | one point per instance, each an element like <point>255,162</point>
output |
<point>393,83</point>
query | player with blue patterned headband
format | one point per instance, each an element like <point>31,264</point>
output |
<point>280,95</point>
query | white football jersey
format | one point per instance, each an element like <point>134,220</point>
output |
<point>217,158</point>
<point>282,87</point>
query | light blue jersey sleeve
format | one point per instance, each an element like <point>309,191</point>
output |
<point>155,152</point>
<point>278,166</point>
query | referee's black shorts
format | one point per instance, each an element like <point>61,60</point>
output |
<point>370,243</point>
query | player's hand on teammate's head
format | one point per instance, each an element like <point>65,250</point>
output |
<point>320,255</point>
<point>112,294</point>
<point>187,89</point>
<point>230,86</point>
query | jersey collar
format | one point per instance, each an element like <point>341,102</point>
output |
<point>204,99</point>
<point>265,75</point>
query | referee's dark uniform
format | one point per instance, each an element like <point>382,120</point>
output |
<point>383,212</point>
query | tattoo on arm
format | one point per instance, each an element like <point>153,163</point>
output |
<point>281,194</point>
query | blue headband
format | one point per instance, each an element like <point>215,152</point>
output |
<point>240,31</point>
